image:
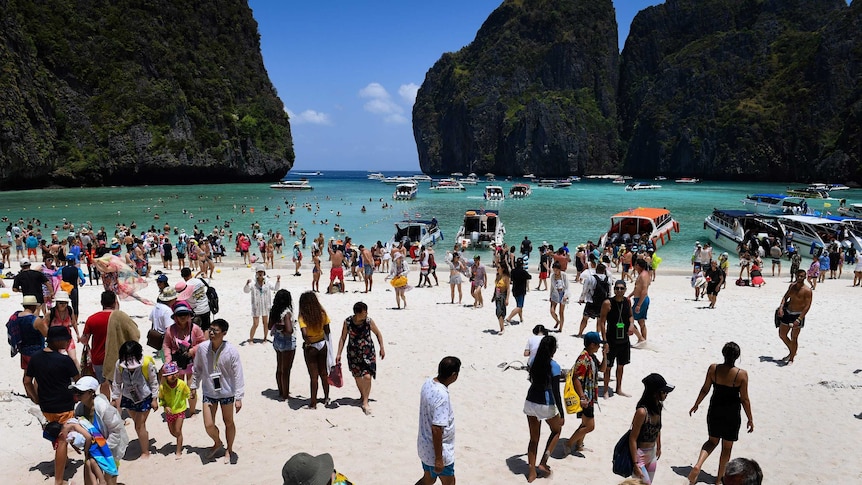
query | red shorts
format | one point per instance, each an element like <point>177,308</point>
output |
<point>543,275</point>
<point>336,273</point>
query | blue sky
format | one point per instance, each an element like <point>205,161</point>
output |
<point>348,71</point>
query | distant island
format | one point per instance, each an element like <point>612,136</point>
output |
<point>719,89</point>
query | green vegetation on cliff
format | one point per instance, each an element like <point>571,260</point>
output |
<point>136,92</point>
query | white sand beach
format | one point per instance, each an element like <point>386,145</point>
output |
<point>806,429</point>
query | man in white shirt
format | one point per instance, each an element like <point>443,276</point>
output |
<point>199,302</point>
<point>218,374</point>
<point>592,308</point>
<point>436,440</point>
<point>161,317</point>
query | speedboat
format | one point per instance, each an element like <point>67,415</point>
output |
<point>641,186</point>
<point>520,191</point>
<point>316,173</point>
<point>554,183</point>
<point>811,233</point>
<point>729,228</point>
<point>834,187</point>
<point>687,180</point>
<point>301,184</point>
<point>529,176</point>
<point>573,178</point>
<point>494,192</point>
<point>618,180</point>
<point>425,233</point>
<point>852,210</point>
<point>375,176</point>
<point>490,177</point>
<point>481,228</point>
<point>422,178</point>
<point>469,180</point>
<point>773,204</point>
<point>398,180</point>
<point>808,193</point>
<point>406,191</point>
<point>660,178</point>
<point>457,174</point>
<point>628,227</point>
<point>448,185</point>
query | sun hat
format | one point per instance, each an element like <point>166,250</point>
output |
<point>167,294</point>
<point>86,383</point>
<point>170,369</point>
<point>115,241</point>
<point>296,243</point>
<point>593,338</point>
<point>182,309</point>
<point>304,469</point>
<point>657,383</point>
<point>259,267</point>
<point>62,296</point>
<point>184,290</point>
<point>30,300</point>
<point>58,334</point>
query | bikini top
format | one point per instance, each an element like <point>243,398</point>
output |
<point>649,432</point>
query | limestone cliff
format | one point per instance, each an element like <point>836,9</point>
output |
<point>134,92</point>
<point>534,92</point>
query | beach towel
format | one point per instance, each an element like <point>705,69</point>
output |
<point>99,450</point>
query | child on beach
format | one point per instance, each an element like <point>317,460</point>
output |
<point>814,272</point>
<point>82,435</point>
<point>135,388</point>
<point>698,282</point>
<point>174,398</point>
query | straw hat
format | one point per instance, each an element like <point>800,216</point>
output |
<point>30,300</point>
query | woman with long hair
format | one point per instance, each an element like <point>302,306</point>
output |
<point>729,395</point>
<point>281,327</point>
<point>645,438</point>
<point>63,315</point>
<point>559,295</point>
<point>543,403</point>
<point>361,358</point>
<point>502,283</point>
<point>136,388</point>
<point>314,325</point>
<point>315,270</point>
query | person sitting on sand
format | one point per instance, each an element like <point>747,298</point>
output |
<point>790,315</point>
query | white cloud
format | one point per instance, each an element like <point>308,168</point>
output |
<point>408,92</point>
<point>381,103</point>
<point>309,116</point>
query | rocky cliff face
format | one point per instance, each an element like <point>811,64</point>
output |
<point>758,89</point>
<point>534,92</point>
<point>135,92</point>
<point>720,89</point>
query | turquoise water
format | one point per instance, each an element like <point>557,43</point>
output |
<point>576,214</point>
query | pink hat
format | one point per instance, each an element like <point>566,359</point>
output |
<point>184,291</point>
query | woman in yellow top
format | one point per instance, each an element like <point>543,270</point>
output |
<point>314,325</point>
<point>501,293</point>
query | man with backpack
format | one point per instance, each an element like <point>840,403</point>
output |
<point>596,290</point>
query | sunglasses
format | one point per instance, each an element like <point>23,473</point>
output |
<point>619,288</point>
<point>215,330</point>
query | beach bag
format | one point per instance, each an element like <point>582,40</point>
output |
<point>87,368</point>
<point>399,281</point>
<point>602,290</point>
<point>155,339</point>
<point>570,396</point>
<point>335,377</point>
<point>212,297</point>
<point>13,334</point>
<point>623,465</point>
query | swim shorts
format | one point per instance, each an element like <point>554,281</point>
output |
<point>587,412</point>
<point>336,273</point>
<point>621,353</point>
<point>448,470</point>
<point>369,270</point>
<point>641,315</point>
<point>519,301</point>
<point>788,318</point>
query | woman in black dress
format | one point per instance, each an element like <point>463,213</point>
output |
<point>723,420</point>
<point>361,357</point>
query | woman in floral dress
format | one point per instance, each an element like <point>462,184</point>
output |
<point>361,358</point>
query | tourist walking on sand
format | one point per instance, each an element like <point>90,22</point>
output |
<point>361,358</point>
<point>296,258</point>
<point>585,378</point>
<point>314,325</point>
<point>367,266</point>
<point>181,345</point>
<point>27,331</point>
<point>615,325</point>
<point>282,327</point>
<point>645,437</point>
<point>436,438</point>
<point>95,407</point>
<point>456,275</point>
<point>398,276</point>
<point>135,388</point>
<point>502,284</point>
<point>218,374</point>
<point>640,299</point>
<point>590,298</point>
<point>714,281</point>
<point>478,281</point>
<point>315,270</point>
<point>520,282</point>
<point>729,395</point>
<point>336,272</point>
<point>261,289</point>
<point>790,314</point>
<point>62,315</point>
<point>559,296</point>
<point>174,399</point>
<point>543,403</point>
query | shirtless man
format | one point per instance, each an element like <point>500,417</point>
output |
<point>640,299</point>
<point>367,266</point>
<point>336,256</point>
<point>790,315</point>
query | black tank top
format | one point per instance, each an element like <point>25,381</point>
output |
<point>617,324</point>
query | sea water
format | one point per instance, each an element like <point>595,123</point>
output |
<point>576,214</point>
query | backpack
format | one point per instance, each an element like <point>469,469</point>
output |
<point>623,465</point>
<point>212,297</point>
<point>602,290</point>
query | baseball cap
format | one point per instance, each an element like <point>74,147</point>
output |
<point>593,338</point>
<point>181,309</point>
<point>24,262</point>
<point>86,383</point>
<point>162,278</point>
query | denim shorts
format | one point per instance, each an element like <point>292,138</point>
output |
<point>448,470</point>
<point>214,400</point>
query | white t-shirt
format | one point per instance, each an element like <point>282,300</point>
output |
<point>533,346</point>
<point>435,409</point>
<point>160,317</point>
<point>200,303</point>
